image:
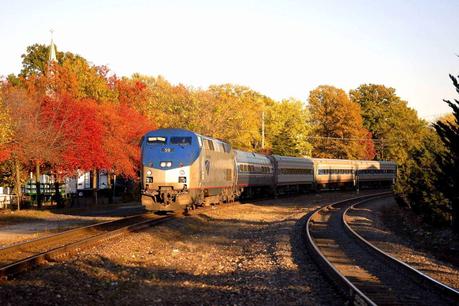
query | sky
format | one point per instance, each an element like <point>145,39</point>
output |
<point>281,48</point>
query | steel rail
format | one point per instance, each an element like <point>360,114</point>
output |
<point>93,233</point>
<point>347,288</point>
<point>99,235</point>
<point>45,239</point>
<point>351,277</point>
<point>416,275</point>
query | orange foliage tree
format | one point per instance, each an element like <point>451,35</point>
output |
<point>337,125</point>
<point>65,123</point>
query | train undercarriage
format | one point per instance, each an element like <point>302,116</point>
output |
<point>169,199</point>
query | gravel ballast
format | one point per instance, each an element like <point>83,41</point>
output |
<point>244,254</point>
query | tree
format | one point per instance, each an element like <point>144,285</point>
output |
<point>396,127</point>
<point>36,138</point>
<point>419,177</point>
<point>5,130</point>
<point>236,115</point>
<point>287,128</point>
<point>68,116</point>
<point>337,125</point>
<point>448,161</point>
<point>35,60</point>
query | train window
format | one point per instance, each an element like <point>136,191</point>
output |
<point>227,147</point>
<point>209,145</point>
<point>184,141</point>
<point>157,139</point>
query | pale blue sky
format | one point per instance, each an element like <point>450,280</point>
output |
<point>279,48</point>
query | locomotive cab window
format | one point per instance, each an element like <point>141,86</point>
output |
<point>157,139</point>
<point>184,141</point>
<point>209,145</point>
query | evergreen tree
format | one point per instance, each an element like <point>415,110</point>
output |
<point>448,162</point>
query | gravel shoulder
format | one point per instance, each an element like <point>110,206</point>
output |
<point>370,221</point>
<point>247,254</point>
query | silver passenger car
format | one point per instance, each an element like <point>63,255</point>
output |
<point>254,170</point>
<point>293,173</point>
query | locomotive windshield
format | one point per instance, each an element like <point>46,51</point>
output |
<point>181,140</point>
<point>157,139</point>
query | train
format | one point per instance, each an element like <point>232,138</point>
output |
<point>181,169</point>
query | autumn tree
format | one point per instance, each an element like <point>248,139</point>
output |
<point>448,161</point>
<point>337,125</point>
<point>35,139</point>
<point>287,128</point>
<point>235,115</point>
<point>227,111</point>
<point>70,116</point>
<point>5,128</point>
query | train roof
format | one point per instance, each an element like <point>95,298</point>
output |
<point>335,160</point>
<point>250,157</point>
<point>292,158</point>
<point>179,131</point>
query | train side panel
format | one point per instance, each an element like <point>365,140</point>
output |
<point>255,173</point>
<point>293,173</point>
<point>333,172</point>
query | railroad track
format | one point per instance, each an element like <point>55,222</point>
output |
<point>23,256</point>
<point>362,272</point>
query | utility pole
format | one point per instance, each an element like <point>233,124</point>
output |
<point>263,129</point>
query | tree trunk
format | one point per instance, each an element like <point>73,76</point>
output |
<point>37,184</point>
<point>94,186</point>
<point>17,168</point>
<point>109,182</point>
<point>455,215</point>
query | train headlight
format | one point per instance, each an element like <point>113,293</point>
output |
<point>148,172</point>
<point>182,179</point>
<point>165,164</point>
<point>149,179</point>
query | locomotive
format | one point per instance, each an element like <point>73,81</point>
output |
<point>182,169</point>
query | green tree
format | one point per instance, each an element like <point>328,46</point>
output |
<point>400,136</point>
<point>287,128</point>
<point>448,161</point>
<point>395,126</point>
<point>337,125</point>
<point>35,60</point>
<point>419,183</point>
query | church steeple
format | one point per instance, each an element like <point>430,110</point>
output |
<point>52,50</point>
